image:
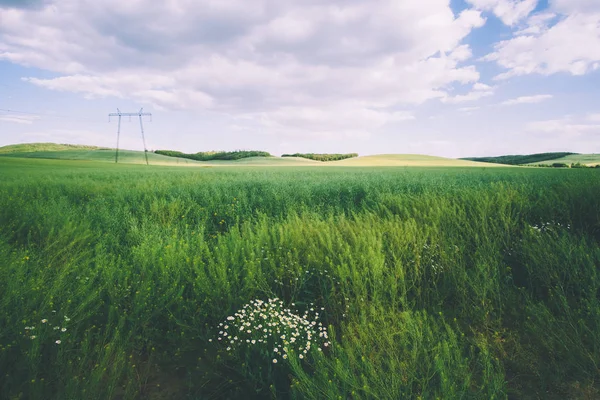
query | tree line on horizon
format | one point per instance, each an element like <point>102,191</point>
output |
<point>322,157</point>
<point>214,155</point>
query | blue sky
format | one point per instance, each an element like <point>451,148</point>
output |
<point>451,78</point>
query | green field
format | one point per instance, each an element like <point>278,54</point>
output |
<point>542,159</point>
<point>586,159</point>
<point>438,282</point>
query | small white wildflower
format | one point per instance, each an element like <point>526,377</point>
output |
<point>58,342</point>
<point>44,321</point>
<point>32,336</point>
<point>301,356</point>
<point>274,361</point>
<point>63,330</point>
<point>253,341</point>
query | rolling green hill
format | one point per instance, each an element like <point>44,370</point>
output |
<point>108,155</point>
<point>407,160</point>
<point>42,147</point>
<point>586,159</point>
<point>92,153</point>
<point>522,159</point>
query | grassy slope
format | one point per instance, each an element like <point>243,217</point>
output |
<point>43,147</point>
<point>438,283</point>
<point>108,155</point>
<point>266,161</point>
<point>587,159</point>
<point>416,160</point>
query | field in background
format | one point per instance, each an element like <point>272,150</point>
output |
<point>586,159</point>
<point>542,159</point>
<point>43,147</point>
<point>71,152</point>
<point>434,282</point>
<point>410,160</point>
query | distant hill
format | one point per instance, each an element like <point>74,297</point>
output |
<point>585,159</point>
<point>53,151</point>
<point>222,159</point>
<point>408,160</point>
<point>521,159</point>
<point>34,147</point>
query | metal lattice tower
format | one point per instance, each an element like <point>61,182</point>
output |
<point>139,114</point>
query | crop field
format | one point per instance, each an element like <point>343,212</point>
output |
<point>149,282</point>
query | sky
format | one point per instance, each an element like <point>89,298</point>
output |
<point>452,78</point>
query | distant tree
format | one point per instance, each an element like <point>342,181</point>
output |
<point>578,165</point>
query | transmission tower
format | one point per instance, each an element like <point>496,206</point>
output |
<point>139,114</point>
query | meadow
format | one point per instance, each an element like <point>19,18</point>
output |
<point>149,282</point>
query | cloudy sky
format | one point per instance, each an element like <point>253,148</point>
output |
<point>442,77</point>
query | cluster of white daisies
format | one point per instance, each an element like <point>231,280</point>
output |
<point>269,323</point>
<point>31,330</point>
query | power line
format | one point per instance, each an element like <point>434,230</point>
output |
<point>18,112</point>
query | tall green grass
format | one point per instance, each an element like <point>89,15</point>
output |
<point>435,283</point>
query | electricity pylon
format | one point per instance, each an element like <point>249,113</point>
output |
<point>139,114</point>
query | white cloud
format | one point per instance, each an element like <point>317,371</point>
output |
<point>594,117</point>
<point>468,109</point>
<point>537,24</point>
<point>351,120</point>
<point>566,38</point>
<point>570,6</point>
<point>528,99</point>
<point>22,3</point>
<point>509,11</point>
<point>264,58</point>
<point>567,126</point>
<point>479,91</point>
<point>26,119</point>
